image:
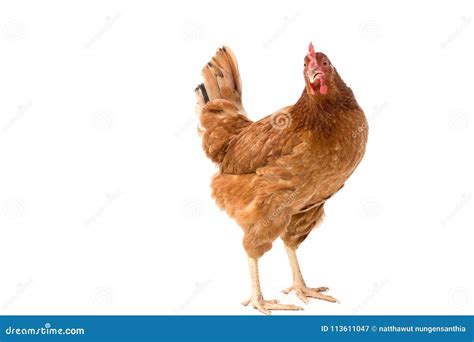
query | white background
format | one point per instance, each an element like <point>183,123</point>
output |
<point>105,203</point>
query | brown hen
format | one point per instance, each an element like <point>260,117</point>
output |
<point>276,174</point>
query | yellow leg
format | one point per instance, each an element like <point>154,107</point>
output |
<point>256,298</point>
<point>299,286</point>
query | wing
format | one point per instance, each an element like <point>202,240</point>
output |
<point>261,144</point>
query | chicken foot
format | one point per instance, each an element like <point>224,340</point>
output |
<point>256,298</point>
<point>299,286</point>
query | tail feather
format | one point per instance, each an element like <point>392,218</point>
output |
<point>226,61</point>
<point>203,91</point>
<point>210,74</point>
<point>222,79</point>
<point>219,104</point>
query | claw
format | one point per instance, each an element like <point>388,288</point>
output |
<point>265,306</point>
<point>303,293</point>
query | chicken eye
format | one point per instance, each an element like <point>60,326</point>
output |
<point>325,63</point>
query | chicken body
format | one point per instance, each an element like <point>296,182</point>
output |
<point>277,173</point>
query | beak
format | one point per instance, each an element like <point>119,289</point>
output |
<point>315,74</point>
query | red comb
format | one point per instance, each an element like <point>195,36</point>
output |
<point>312,56</point>
<point>311,49</point>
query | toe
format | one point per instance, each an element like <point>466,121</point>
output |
<point>302,296</point>
<point>245,302</point>
<point>272,301</point>
<point>318,289</point>
<point>263,308</point>
<point>321,296</point>
<point>278,306</point>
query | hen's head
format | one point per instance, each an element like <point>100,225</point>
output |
<point>318,72</point>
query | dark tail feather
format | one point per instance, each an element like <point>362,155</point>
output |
<point>201,96</point>
<point>204,93</point>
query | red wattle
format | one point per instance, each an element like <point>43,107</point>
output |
<point>323,88</point>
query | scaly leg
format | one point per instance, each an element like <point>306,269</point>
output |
<point>256,298</point>
<point>299,285</point>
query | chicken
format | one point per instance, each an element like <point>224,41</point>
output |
<point>276,174</point>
